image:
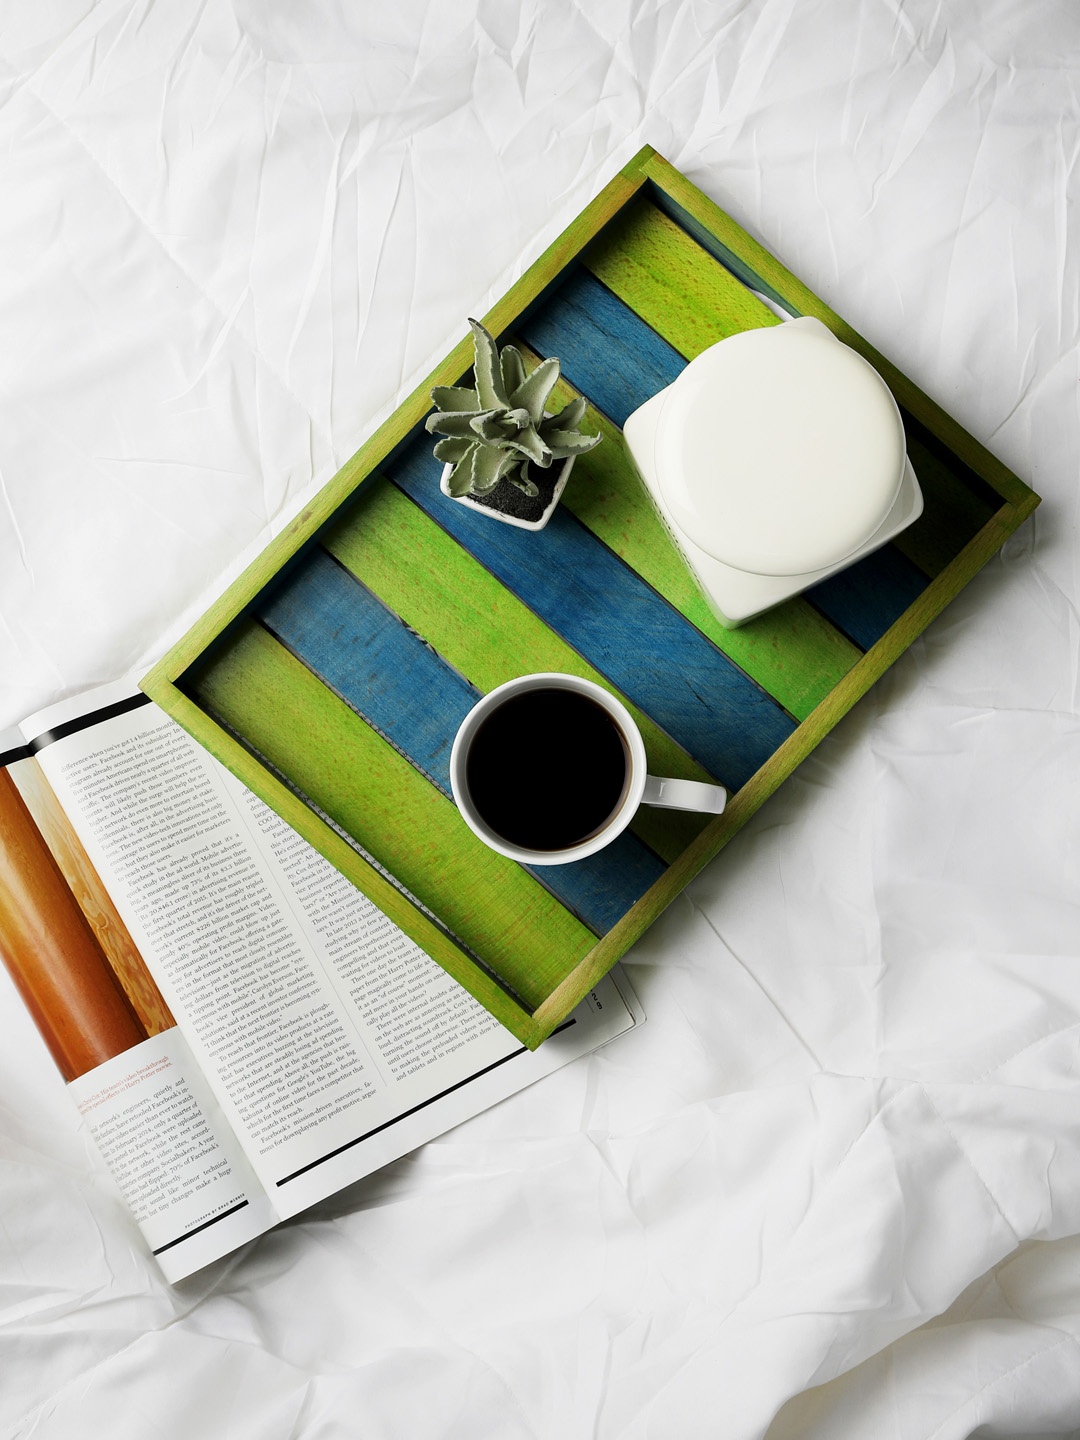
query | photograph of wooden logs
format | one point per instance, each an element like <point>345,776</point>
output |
<point>52,952</point>
<point>90,894</point>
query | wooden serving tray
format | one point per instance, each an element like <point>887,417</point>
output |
<point>332,675</point>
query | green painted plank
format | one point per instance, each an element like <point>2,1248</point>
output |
<point>375,795</point>
<point>483,630</point>
<point>664,275</point>
<point>792,652</point>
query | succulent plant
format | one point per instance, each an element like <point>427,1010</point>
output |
<point>499,428</point>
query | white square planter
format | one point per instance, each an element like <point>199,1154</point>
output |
<point>493,514</point>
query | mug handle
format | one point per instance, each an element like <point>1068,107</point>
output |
<point>684,795</point>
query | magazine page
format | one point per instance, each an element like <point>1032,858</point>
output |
<point>332,1042</point>
<point>173,1155</point>
<point>162,1134</point>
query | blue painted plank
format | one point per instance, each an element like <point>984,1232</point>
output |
<point>360,648</point>
<point>613,357</point>
<point>868,597</point>
<point>604,349</point>
<point>618,623</point>
<point>403,689</point>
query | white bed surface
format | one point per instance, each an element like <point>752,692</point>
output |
<point>832,1187</point>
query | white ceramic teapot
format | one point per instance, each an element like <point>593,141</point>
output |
<point>775,459</point>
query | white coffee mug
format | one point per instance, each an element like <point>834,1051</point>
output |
<point>639,786</point>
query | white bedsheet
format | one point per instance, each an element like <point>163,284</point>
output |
<point>832,1188</point>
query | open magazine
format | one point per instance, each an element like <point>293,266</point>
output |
<point>243,1031</point>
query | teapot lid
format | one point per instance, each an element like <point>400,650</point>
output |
<point>780,451</point>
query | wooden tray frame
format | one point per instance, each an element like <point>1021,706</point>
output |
<point>650,174</point>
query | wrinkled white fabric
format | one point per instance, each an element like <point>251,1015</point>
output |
<point>832,1188</point>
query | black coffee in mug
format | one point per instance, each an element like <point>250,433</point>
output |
<point>547,769</point>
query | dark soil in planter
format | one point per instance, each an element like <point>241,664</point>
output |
<point>509,500</point>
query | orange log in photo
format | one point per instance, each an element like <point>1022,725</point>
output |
<point>93,899</point>
<point>52,953</point>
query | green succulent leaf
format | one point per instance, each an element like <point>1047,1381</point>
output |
<point>488,371</point>
<point>534,391</point>
<point>513,368</point>
<point>494,428</point>
<point>530,444</point>
<point>568,418</point>
<point>524,481</point>
<point>452,452</point>
<point>455,397</point>
<point>570,442</point>
<point>459,481</point>
<point>487,466</point>
<point>456,422</point>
